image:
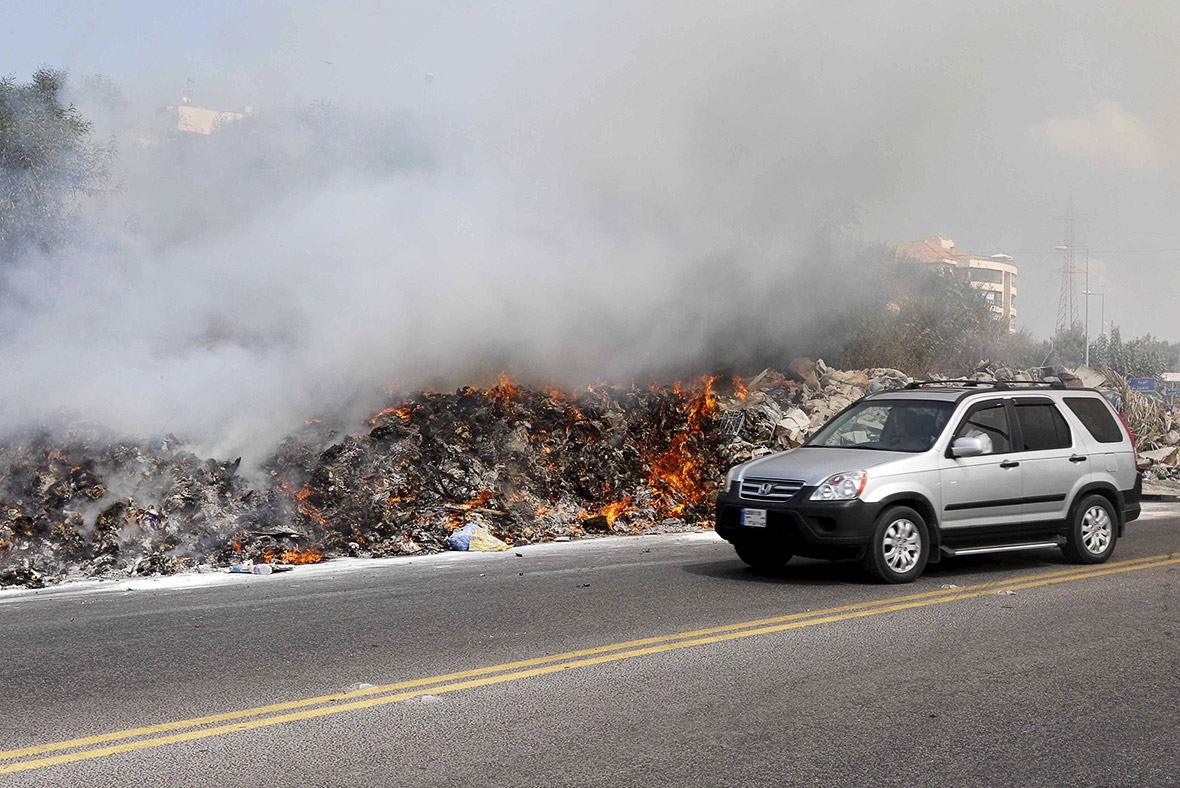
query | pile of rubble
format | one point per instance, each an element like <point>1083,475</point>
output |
<point>524,464</point>
<point>773,411</point>
<point>1154,425</point>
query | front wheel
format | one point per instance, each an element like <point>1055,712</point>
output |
<point>899,547</point>
<point>763,556</point>
<point>1093,531</point>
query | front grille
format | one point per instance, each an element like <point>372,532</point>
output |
<point>769,489</point>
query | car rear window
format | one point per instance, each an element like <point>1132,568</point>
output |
<point>1095,417</point>
<point>1042,426</point>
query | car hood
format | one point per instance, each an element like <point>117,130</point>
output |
<point>813,464</point>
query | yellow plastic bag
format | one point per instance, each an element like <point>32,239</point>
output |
<point>483,542</point>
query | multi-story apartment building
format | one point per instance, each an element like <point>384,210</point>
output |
<point>995,274</point>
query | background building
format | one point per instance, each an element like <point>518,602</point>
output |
<point>995,274</point>
<point>185,117</point>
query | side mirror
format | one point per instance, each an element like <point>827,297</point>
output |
<point>967,447</point>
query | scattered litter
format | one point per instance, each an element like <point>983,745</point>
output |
<point>483,542</point>
<point>426,700</point>
<point>360,685</point>
<point>460,538</point>
<point>561,539</point>
<point>1007,592</point>
<point>949,585</point>
<point>250,568</point>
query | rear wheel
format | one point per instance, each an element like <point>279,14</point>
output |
<point>1093,530</point>
<point>763,556</point>
<point>900,546</point>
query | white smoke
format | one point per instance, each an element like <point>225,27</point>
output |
<point>585,192</point>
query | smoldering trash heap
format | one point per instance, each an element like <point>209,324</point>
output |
<point>528,464</point>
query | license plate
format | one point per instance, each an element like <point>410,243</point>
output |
<point>754,518</point>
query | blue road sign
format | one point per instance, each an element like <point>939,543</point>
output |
<point>1141,384</point>
<point>1172,391</point>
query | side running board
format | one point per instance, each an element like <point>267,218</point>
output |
<point>1001,548</point>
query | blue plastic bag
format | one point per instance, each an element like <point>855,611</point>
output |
<point>460,538</point>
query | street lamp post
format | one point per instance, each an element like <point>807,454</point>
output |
<point>1087,292</point>
<point>1102,314</point>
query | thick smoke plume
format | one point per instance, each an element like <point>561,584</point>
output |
<point>613,192</point>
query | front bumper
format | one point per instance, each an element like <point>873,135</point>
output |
<point>799,522</point>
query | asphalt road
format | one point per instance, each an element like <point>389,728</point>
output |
<point>1010,669</point>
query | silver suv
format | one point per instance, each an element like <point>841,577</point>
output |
<point>901,478</point>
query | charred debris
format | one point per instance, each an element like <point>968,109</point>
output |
<point>527,464</point>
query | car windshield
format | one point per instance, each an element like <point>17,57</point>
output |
<point>887,425</point>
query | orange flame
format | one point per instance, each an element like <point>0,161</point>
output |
<point>301,496</point>
<point>297,555</point>
<point>739,389</point>
<point>612,511</point>
<point>505,389</point>
<point>675,476</point>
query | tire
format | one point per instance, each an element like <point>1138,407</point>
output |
<point>763,557</point>
<point>1093,531</point>
<point>899,547</point>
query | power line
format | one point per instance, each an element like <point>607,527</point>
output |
<point>1134,251</point>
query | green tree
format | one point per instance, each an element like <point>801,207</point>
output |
<point>1068,347</point>
<point>1116,354</point>
<point>923,321</point>
<point>1100,351</point>
<point>1147,357</point>
<point>47,163</point>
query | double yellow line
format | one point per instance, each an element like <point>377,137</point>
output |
<point>90,747</point>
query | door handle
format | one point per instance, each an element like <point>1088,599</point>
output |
<point>1008,464</point>
<point>1078,458</point>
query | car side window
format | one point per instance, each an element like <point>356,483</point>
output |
<point>1042,426</point>
<point>988,422</point>
<point>1095,417</point>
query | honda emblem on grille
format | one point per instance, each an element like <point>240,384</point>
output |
<point>765,488</point>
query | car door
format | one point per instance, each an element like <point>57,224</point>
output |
<point>988,489</point>
<point>1053,458</point>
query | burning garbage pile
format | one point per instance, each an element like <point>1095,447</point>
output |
<point>526,464</point>
<point>503,465</point>
<point>81,501</point>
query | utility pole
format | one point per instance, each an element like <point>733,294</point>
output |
<point>1067,306</point>
<point>1087,292</point>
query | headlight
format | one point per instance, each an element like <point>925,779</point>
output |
<point>731,476</point>
<point>841,487</point>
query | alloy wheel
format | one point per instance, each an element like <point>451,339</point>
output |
<point>901,545</point>
<point>1097,530</point>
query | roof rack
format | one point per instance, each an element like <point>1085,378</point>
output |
<point>998,385</point>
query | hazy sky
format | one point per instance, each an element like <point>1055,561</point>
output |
<point>601,153</point>
<point>976,120</point>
